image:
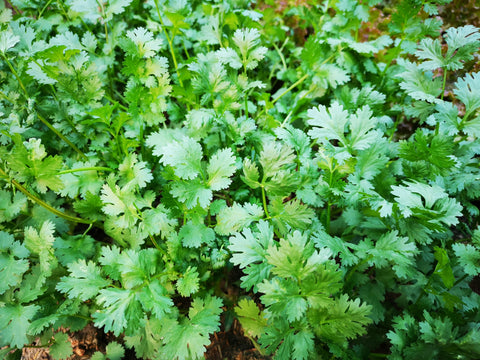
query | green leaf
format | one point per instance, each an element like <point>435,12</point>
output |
<point>187,339</point>
<point>134,172</point>
<point>192,192</point>
<point>146,339</point>
<point>10,205</point>
<point>13,262</point>
<point>137,266</point>
<point>292,213</point>
<point>274,157</point>
<point>419,85</point>
<point>7,40</point>
<point>29,161</point>
<point>236,217</point>
<point>462,43</point>
<point>248,247</point>
<point>14,323</point>
<point>183,155</point>
<point>142,45</point>
<point>328,124</point>
<point>154,298</point>
<point>443,268</point>
<point>250,316</point>
<point>188,284</point>
<point>120,312</point>
<point>346,319</point>
<point>194,235</point>
<point>468,257</point>
<point>115,351</point>
<point>391,248</point>
<point>465,91</point>
<point>61,348</point>
<point>84,282</point>
<point>250,174</point>
<point>283,298</point>
<point>41,244</point>
<point>220,168</point>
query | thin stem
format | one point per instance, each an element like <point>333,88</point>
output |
<point>61,136</point>
<point>44,8</point>
<point>298,82</point>
<point>12,69</point>
<point>42,203</point>
<point>444,83</point>
<point>13,7</point>
<point>264,200</point>
<point>93,168</point>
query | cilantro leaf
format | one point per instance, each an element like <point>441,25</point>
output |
<point>13,262</point>
<point>462,43</point>
<point>250,317</point>
<point>187,339</point>
<point>220,168</point>
<point>121,311</point>
<point>14,323</point>
<point>84,282</point>
<point>346,319</point>
<point>61,348</point>
<point>188,283</point>
<point>236,217</point>
<point>40,243</point>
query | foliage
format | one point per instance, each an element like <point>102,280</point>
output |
<point>328,150</point>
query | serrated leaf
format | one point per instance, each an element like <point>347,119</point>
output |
<point>236,217</point>
<point>41,244</point>
<point>84,282</point>
<point>468,257</point>
<point>188,284</point>
<point>120,311</point>
<point>61,348</point>
<point>346,319</point>
<point>7,40</point>
<point>192,192</point>
<point>328,124</point>
<point>465,89</point>
<point>274,156</point>
<point>250,317</point>
<point>391,248</point>
<point>220,168</point>
<point>249,247</point>
<point>154,298</point>
<point>14,324</point>
<point>188,339</point>
<point>13,262</point>
<point>115,351</point>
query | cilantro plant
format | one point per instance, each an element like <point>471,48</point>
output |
<point>328,152</point>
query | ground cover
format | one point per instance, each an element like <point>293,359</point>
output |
<point>239,180</point>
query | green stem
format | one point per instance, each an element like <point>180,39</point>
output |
<point>44,204</point>
<point>93,168</point>
<point>298,82</point>
<point>12,69</point>
<point>44,8</point>
<point>61,136</point>
<point>444,83</point>
<point>329,214</point>
<point>13,7</point>
<point>264,200</point>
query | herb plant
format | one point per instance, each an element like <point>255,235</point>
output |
<point>328,150</point>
